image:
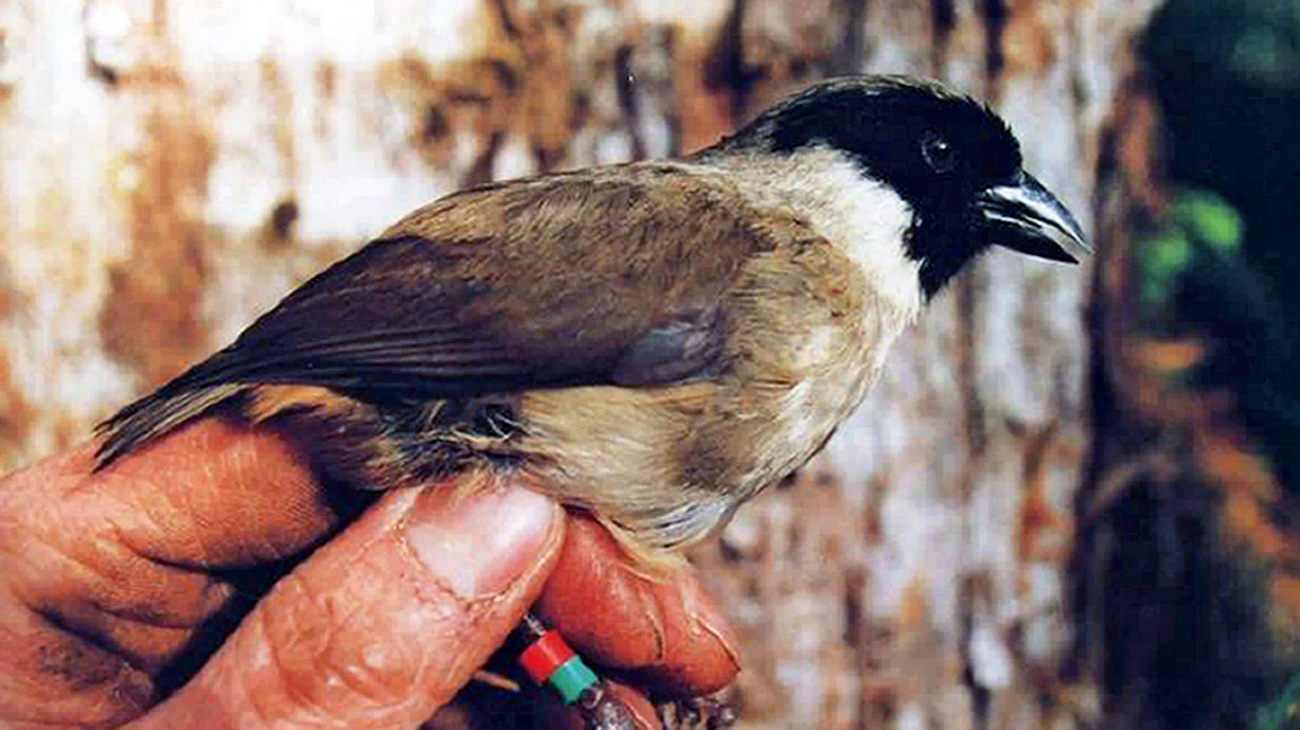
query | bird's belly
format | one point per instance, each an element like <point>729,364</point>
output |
<point>667,465</point>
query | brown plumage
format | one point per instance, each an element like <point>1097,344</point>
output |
<point>652,342</point>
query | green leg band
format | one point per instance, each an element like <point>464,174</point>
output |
<point>571,678</point>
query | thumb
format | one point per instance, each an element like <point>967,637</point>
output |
<point>385,623</point>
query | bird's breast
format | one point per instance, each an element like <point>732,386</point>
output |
<point>666,464</point>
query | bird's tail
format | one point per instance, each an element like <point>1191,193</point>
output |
<point>156,415</point>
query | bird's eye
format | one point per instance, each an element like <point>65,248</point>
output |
<point>938,153</point>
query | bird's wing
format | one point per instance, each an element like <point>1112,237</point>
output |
<point>609,276</point>
<point>584,278</point>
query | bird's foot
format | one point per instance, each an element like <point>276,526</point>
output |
<point>602,711</point>
<point>697,713</point>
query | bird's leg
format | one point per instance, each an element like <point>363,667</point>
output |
<point>549,661</point>
<point>697,713</point>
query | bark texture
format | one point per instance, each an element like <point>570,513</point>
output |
<point>169,169</point>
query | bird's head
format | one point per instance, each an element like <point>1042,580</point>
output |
<point>954,162</point>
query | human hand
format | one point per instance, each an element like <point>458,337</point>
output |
<point>111,583</point>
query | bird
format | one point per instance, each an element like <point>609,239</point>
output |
<point>653,342</point>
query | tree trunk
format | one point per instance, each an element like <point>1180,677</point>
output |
<point>170,169</point>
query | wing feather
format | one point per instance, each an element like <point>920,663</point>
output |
<point>615,275</point>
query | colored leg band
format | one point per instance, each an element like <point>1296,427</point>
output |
<point>550,661</point>
<point>571,679</point>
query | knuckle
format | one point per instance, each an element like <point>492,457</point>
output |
<point>327,653</point>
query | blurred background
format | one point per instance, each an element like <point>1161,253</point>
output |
<point>1071,502</point>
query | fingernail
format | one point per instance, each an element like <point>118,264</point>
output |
<point>710,620</point>
<point>479,544</point>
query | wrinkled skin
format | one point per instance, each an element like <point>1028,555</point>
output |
<point>109,581</point>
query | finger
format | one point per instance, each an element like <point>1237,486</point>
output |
<point>111,562</point>
<point>96,563</point>
<point>214,494</point>
<point>668,632</point>
<point>385,623</point>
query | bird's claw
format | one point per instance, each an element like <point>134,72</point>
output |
<point>697,713</point>
<point>602,711</point>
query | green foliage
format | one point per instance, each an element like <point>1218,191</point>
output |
<point>1227,75</point>
<point>1255,41</point>
<point>1200,228</point>
<point>1210,219</point>
<point>1280,714</point>
<point>1263,56</point>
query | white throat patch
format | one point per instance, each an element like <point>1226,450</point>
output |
<point>864,218</point>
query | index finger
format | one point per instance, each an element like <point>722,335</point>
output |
<point>215,494</point>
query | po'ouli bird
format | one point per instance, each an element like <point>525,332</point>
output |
<point>654,342</point>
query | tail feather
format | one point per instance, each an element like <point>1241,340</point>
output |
<point>156,415</point>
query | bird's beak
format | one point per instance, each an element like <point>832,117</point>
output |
<point>1025,217</point>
